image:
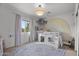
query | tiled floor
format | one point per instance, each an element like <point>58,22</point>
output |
<point>69,51</point>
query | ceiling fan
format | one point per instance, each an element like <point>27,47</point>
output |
<point>40,9</point>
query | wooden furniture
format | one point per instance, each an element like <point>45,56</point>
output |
<point>52,38</point>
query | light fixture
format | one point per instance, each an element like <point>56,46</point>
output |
<point>40,9</point>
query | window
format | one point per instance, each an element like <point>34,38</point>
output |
<point>25,25</point>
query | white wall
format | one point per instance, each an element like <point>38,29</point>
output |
<point>68,17</point>
<point>7,26</point>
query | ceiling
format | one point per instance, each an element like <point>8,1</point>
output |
<point>52,8</point>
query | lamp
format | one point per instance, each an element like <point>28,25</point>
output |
<point>40,10</point>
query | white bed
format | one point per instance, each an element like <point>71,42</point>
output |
<point>38,49</point>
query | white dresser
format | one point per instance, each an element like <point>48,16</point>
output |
<point>51,38</point>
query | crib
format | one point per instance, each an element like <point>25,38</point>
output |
<point>50,38</point>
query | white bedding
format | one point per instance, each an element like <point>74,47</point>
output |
<point>34,49</point>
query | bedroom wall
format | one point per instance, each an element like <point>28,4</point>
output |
<point>64,21</point>
<point>7,26</point>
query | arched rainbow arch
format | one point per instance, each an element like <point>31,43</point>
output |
<point>59,24</point>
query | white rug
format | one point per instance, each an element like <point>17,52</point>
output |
<point>38,50</point>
